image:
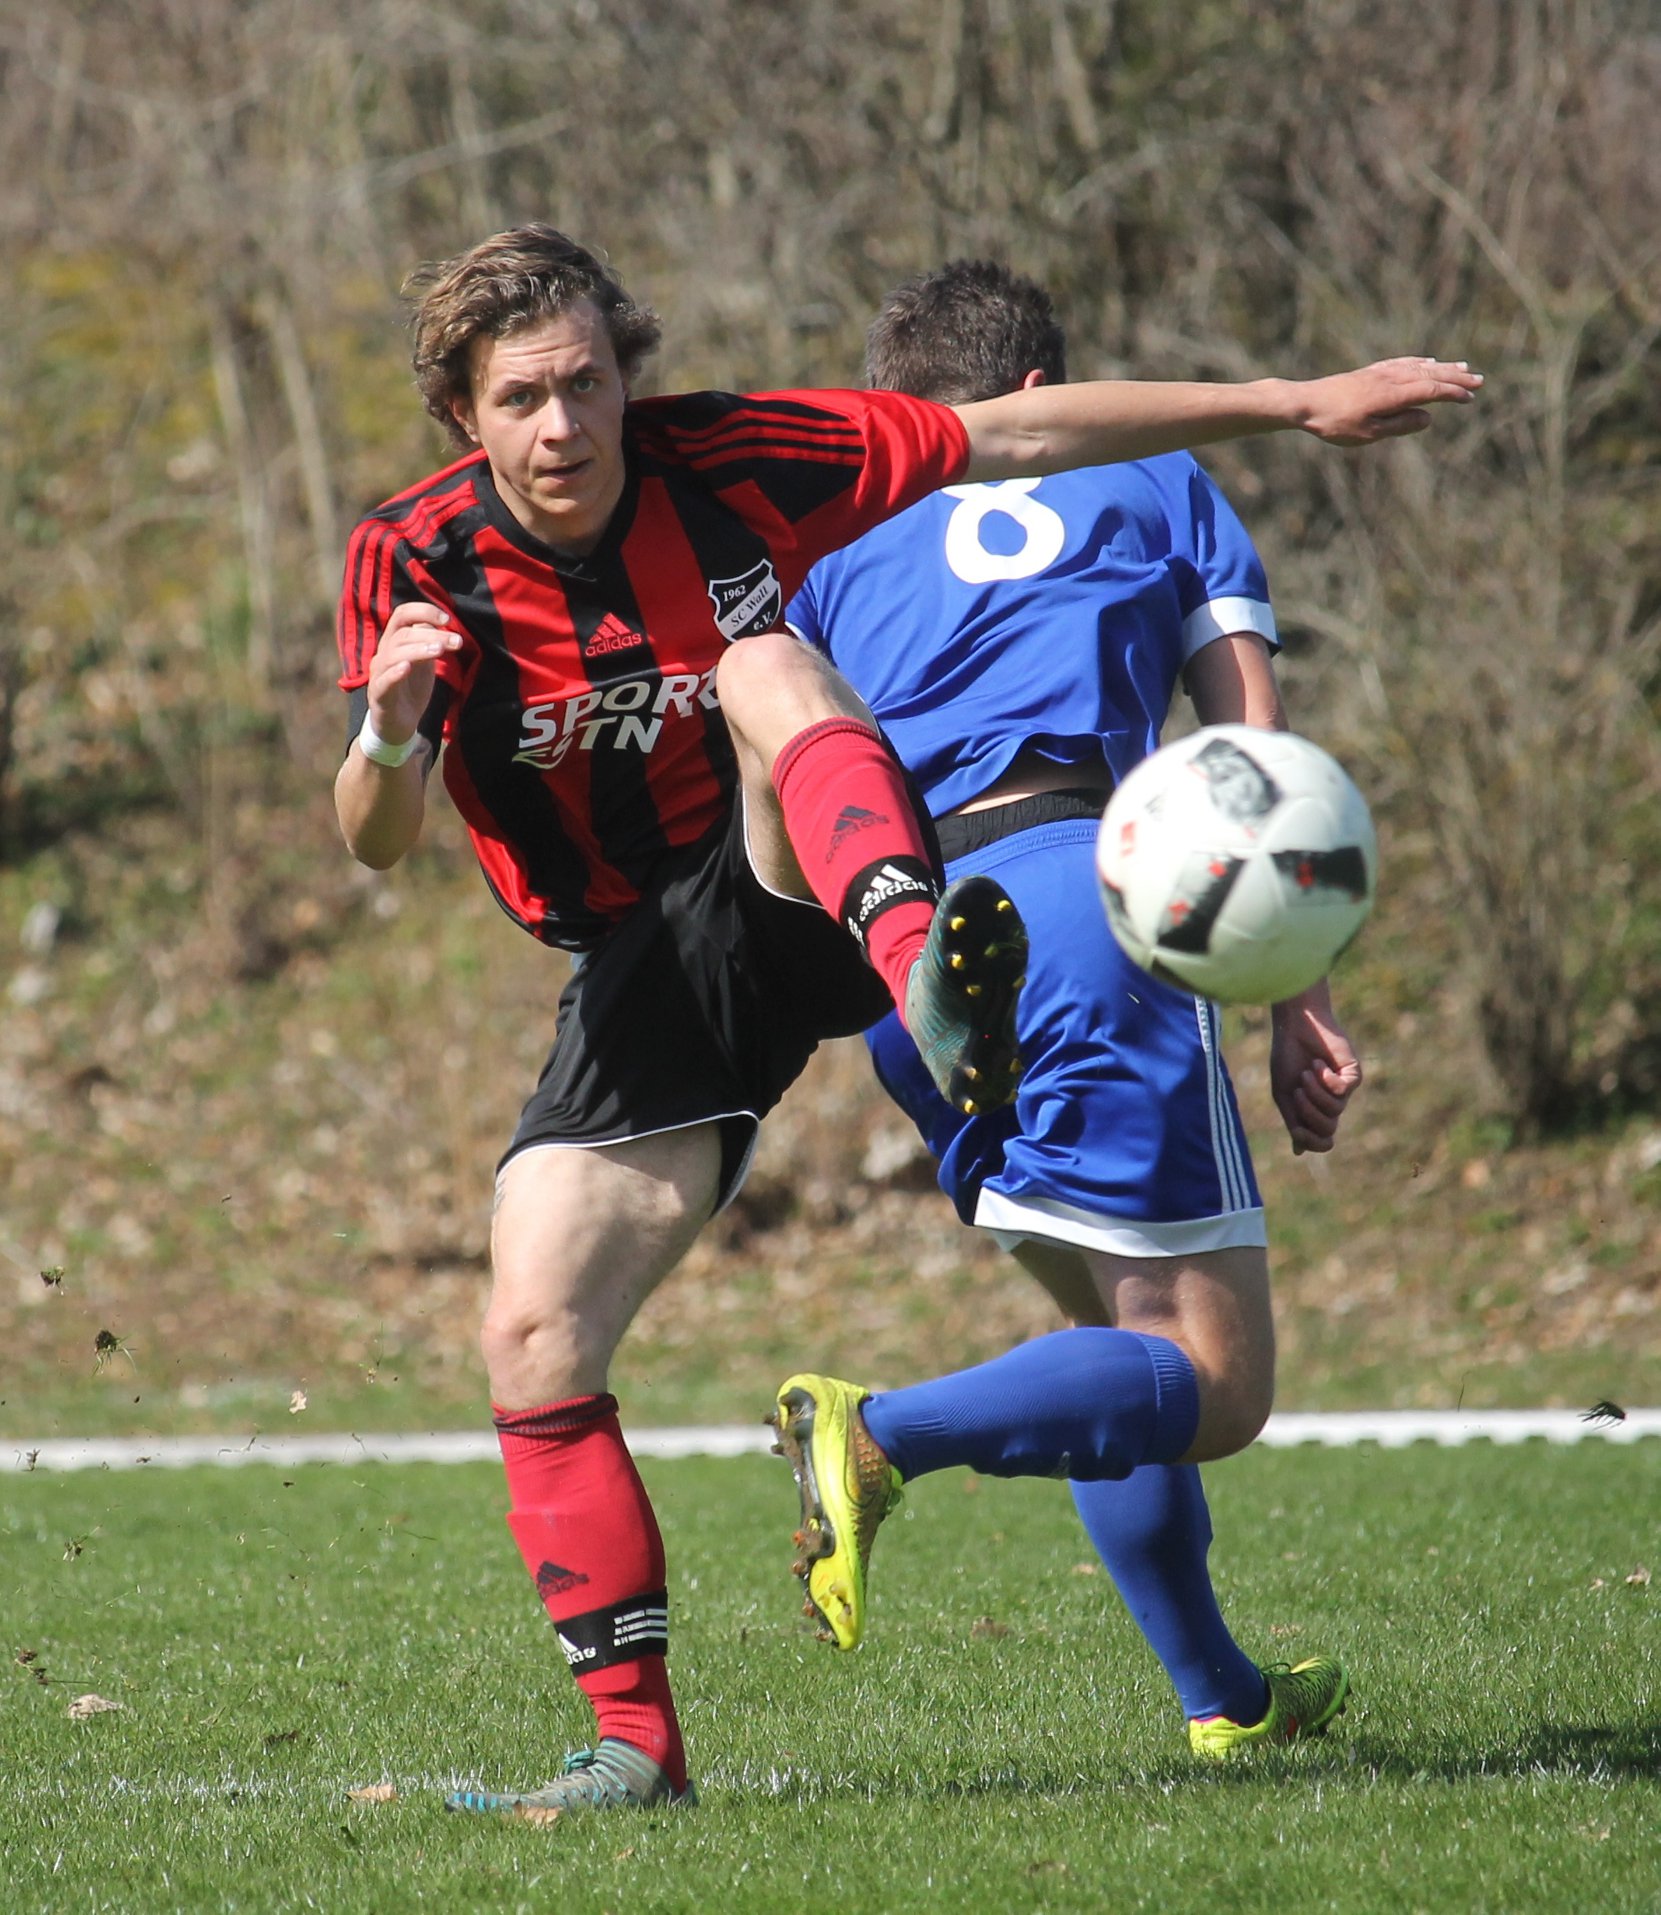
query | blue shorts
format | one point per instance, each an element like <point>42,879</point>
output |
<point>1124,1135</point>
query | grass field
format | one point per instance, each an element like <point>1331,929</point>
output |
<point>1003,1742</point>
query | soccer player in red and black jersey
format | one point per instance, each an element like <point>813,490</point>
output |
<point>584,614</point>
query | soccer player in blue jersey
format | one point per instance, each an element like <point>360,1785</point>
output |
<point>1020,643</point>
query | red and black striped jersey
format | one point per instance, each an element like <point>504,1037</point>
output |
<point>581,734</point>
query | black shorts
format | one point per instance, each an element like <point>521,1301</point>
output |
<point>704,1003</point>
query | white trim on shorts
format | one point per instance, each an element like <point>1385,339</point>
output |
<point>663,1130</point>
<point>1227,1150</point>
<point>1011,1221</point>
<point>784,897</point>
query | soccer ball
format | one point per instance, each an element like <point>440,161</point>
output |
<point>1237,863</point>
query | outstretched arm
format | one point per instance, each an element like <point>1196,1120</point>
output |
<point>1049,428</point>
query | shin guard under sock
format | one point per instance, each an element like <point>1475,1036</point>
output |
<point>585,1528</point>
<point>855,832</point>
<point>1153,1533</point>
<point>1084,1403</point>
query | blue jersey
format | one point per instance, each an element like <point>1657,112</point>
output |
<point>1052,615</point>
<point>1056,615</point>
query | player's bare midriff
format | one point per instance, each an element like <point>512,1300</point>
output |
<point>1032,773</point>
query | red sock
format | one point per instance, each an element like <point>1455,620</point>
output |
<point>855,832</point>
<point>586,1530</point>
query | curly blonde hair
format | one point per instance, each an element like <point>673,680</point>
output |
<point>510,280</point>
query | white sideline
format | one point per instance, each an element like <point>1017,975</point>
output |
<point>1339,1429</point>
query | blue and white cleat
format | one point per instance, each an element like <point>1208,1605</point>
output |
<point>616,1775</point>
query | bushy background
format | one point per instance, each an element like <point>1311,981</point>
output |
<point>250,1095</point>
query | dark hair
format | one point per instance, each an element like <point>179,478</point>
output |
<point>969,330</point>
<point>513,279</point>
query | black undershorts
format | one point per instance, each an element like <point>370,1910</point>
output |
<point>965,832</point>
<point>703,1004</point>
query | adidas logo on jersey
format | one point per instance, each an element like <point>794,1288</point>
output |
<point>610,635</point>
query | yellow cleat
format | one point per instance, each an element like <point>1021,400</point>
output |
<point>847,1486</point>
<point>1303,1701</point>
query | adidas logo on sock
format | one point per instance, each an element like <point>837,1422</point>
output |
<point>876,889</point>
<point>554,1580</point>
<point>851,819</point>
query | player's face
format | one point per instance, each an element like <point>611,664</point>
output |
<point>547,407</point>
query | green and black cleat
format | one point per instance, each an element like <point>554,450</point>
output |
<point>961,996</point>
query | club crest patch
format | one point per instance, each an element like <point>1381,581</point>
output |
<point>747,604</point>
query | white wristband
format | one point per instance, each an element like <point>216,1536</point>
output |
<point>376,749</point>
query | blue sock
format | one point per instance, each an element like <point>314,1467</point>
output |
<point>1153,1531</point>
<point>1084,1403</point>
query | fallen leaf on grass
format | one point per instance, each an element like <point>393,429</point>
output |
<point>988,1627</point>
<point>84,1706</point>
<point>1087,1569</point>
<point>297,1402</point>
<point>373,1792</point>
<point>1639,1579</point>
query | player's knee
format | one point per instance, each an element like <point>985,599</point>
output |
<point>773,686</point>
<point>1234,1406</point>
<point>756,672</point>
<point>503,1333</point>
<point>532,1349</point>
<point>761,660</point>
